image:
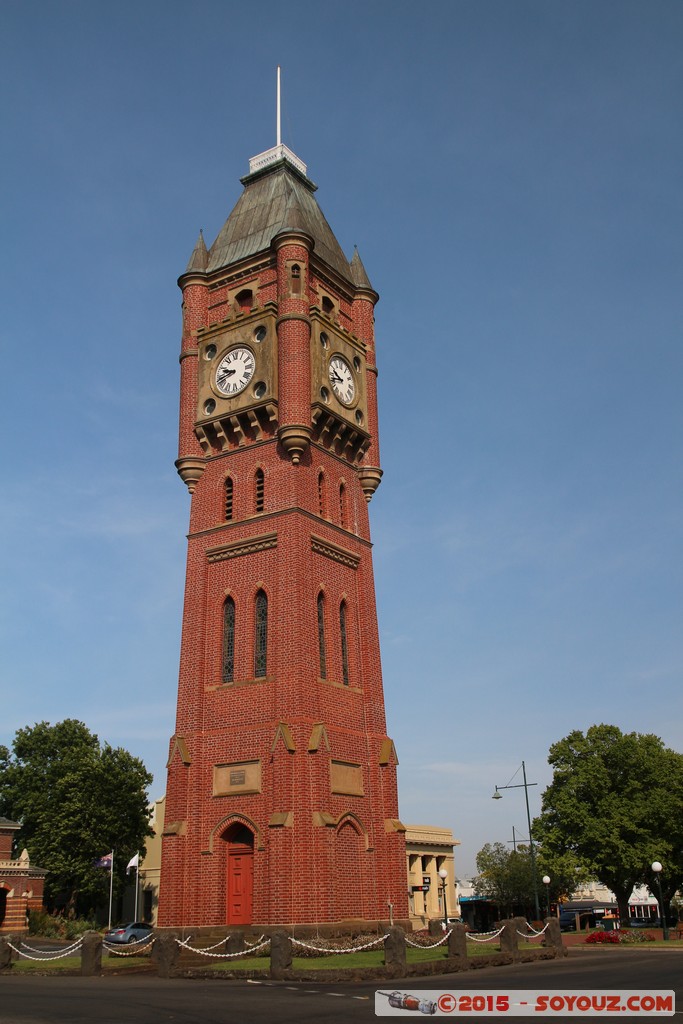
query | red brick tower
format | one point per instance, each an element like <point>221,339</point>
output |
<point>282,805</point>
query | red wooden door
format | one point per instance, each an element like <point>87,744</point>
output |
<point>240,883</point>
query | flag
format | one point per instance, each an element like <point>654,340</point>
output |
<point>106,861</point>
<point>133,862</point>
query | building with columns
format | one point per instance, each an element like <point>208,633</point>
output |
<point>430,850</point>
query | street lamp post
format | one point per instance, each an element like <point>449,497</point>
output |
<point>546,882</point>
<point>657,868</point>
<point>443,875</point>
<point>499,796</point>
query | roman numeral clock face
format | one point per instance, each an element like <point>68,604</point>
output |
<point>234,371</point>
<point>341,379</point>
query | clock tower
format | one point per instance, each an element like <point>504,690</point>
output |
<point>282,804</point>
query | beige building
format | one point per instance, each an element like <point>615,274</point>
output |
<point>150,867</point>
<point>428,850</point>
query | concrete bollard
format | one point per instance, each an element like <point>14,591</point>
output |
<point>166,953</point>
<point>234,943</point>
<point>435,929</point>
<point>280,954</point>
<point>457,941</point>
<point>395,950</point>
<point>91,954</point>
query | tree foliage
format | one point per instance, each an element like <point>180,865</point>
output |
<point>505,877</point>
<point>566,871</point>
<point>76,800</point>
<point>616,803</point>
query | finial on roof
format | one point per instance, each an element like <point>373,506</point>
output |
<point>358,272</point>
<point>279,151</point>
<point>199,259</point>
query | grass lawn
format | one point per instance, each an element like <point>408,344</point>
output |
<point>73,963</point>
<point>350,961</point>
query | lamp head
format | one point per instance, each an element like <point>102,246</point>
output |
<point>497,795</point>
<point>656,866</point>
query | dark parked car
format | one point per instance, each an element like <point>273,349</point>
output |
<point>652,922</point>
<point>129,932</point>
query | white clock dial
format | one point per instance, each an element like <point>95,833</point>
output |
<point>234,371</point>
<point>341,379</point>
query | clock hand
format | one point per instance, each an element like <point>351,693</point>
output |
<point>335,376</point>
<point>228,373</point>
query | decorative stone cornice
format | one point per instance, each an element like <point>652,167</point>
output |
<point>236,548</point>
<point>15,867</point>
<point>335,552</point>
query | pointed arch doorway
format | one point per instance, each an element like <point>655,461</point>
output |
<point>239,883</point>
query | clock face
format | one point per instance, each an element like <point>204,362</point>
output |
<point>235,370</point>
<point>341,379</point>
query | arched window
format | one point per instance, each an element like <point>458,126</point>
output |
<point>228,497</point>
<point>321,636</point>
<point>261,638</point>
<point>296,279</point>
<point>342,504</point>
<point>259,490</point>
<point>344,644</point>
<point>228,640</point>
<point>245,299</point>
<point>321,494</point>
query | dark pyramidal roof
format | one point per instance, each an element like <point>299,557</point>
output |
<point>274,199</point>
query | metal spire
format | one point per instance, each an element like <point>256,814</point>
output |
<point>279,133</point>
<point>278,152</point>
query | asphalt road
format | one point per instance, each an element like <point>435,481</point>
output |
<point>143,999</point>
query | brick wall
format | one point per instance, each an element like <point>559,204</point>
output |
<point>319,855</point>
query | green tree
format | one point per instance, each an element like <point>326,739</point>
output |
<point>566,872</point>
<point>616,803</point>
<point>505,877</point>
<point>76,800</point>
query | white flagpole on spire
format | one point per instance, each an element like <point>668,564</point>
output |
<point>279,133</point>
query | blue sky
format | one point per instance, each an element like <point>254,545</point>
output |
<point>511,173</point>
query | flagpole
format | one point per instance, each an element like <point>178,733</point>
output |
<point>278,133</point>
<point>137,884</point>
<point>111,885</point>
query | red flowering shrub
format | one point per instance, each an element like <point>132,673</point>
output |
<point>602,938</point>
